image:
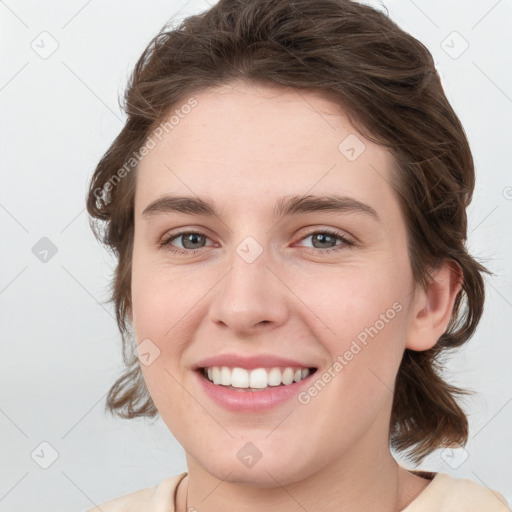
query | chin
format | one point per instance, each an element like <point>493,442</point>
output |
<point>267,472</point>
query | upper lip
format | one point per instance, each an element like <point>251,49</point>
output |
<point>249,362</point>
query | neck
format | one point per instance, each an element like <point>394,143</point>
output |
<point>366,478</point>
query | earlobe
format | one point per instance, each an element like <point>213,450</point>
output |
<point>433,307</point>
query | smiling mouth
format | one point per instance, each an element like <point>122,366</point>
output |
<point>258,379</point>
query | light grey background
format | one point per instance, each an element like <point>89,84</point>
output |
<point>60,348</point>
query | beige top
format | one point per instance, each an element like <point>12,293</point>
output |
<point>443,494</point>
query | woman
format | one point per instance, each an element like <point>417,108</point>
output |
<point>287,202</point>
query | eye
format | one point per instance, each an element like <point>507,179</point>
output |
<point>191,242</point>
<point>194,241</point>
<point>327,236</point>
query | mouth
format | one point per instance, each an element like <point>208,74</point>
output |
<point>254,380</point>
<point>236,388</point>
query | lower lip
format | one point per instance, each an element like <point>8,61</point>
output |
<point>251,401</point>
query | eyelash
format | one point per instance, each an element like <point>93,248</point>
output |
<point>166,242</point>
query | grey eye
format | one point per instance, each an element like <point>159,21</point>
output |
<point>192,240</point>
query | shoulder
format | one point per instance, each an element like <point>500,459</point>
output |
<point>149,499</point>
<point>449,494</point>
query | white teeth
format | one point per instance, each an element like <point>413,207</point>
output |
<point>259,378</point>
<point>274,377</point>
<point>239,378</point>
<point>288,376</point>
<point>225,377</point>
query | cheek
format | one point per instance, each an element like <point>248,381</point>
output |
<point>161,298</point>
<point>366,318</point>
<point>167,307</point>
<point>360,317</point>
<point>348,300</point>
<point>156,325</point>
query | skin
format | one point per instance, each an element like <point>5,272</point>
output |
<point>245,146</point>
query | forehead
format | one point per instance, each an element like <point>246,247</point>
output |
<point>247,144</point>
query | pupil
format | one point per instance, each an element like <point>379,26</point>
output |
<point>191,238</point>
<point>322,238</point>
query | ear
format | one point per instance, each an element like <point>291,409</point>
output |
<point>432,307</point>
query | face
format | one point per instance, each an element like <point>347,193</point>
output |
<point>326,288</point>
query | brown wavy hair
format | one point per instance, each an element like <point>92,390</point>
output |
<point>386,82</point>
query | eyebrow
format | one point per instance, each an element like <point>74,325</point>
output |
<point>285,206</point>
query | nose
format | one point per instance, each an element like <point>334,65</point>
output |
<point>250,297</point>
